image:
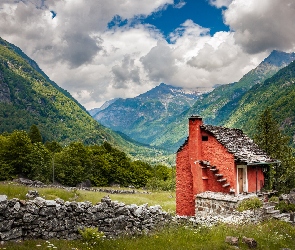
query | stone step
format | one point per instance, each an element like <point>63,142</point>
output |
<point>205,163</point>
<point>218,175</point>
<point>226,185</point>
<point>273,212</point>
<point>282,216</point>
<point>214,169</point>
<point>222,180</point>
<point>269,208</point>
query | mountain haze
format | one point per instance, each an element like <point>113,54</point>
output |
<point>145,117</point>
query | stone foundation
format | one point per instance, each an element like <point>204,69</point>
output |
<point>212,203</point>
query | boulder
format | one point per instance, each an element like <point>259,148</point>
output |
<point>32,194</point>
<point>232,240</point>
<point>250,242</point>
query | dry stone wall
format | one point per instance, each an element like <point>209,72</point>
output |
<point>40,218</point>
<point>217,203</point>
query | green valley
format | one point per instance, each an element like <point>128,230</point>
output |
<point>28,97</point>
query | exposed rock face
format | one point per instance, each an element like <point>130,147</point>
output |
<point>4,90</point>
<point>46,219</point>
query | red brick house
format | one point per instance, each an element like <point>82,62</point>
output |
<point>216,159</point>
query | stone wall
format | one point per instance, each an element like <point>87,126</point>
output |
<point>45,219</point>
<point>210,203</point>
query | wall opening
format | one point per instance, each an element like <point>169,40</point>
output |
<point>204,138</point>
<point>242,179</point>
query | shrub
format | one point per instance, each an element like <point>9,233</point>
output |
<point>285,207</point>
<point>91,236</point>
<point>273,199</point>
<point>249,204</point>
<point>156,184</point>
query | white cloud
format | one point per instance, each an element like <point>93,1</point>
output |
<point>95,64</point>
<point>179,5</point>
<point>262,25</point>
<point>159,63</point>
<point>220,3</point>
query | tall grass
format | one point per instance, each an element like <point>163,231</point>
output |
<point>13,191</point>
<point>164,198</point>
<point>270,235</point>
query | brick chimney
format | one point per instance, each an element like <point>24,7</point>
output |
<point>195,152</point>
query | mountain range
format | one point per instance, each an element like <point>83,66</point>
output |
<point>222,106</point>
<point>146,116</point>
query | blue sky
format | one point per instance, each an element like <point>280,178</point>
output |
<point>199,11</point>
<point>171,17</point>
<point>99,50</point>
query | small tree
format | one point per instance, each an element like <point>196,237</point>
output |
<point>35,134</point>
<point>270,138</point>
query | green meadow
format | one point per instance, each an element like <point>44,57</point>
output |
<point>270,234</point>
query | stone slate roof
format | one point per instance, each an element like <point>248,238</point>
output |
<point>240,145</point>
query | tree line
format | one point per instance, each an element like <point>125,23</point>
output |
<point>24,154</point>
<point>275,143</point>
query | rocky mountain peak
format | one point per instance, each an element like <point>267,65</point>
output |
<point>279,58</point>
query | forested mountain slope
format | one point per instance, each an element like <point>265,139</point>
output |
<point>276,93</point>
<point>28,97</point>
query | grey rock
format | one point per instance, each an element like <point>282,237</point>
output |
<point>14,233</point>
<point>32,194</point>
<point>3,198</point>
<point>39,201</point>
<point>6,225</point>
<point>28,218</point>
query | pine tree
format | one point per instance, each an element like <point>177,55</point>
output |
<point>270,138</point>
<point>35,134</point>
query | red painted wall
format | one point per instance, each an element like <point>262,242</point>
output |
<point>185,200</point>
<point>195,153</point>
<point>218,156</point>
<point>251,172</point>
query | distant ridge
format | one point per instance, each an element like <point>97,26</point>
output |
<point>143,118</point>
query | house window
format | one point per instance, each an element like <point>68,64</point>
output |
<point>204,138</point>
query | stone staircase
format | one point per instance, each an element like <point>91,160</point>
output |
<point>270,212</point>
<point>219,176</point>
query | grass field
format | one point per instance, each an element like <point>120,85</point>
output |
<point>270,235</point>
<point>165,199</point>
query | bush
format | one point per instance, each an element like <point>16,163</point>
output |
<point>156,184</point>
<point>249,204</point>
<point>91,236</point>
<point>273,199</point>
<point>285,207</point>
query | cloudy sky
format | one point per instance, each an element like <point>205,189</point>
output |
<point>103,49</point>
